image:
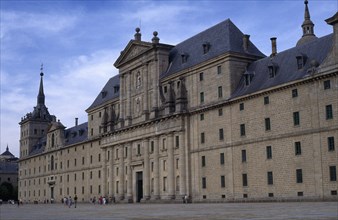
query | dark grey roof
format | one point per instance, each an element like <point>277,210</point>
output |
<point>76,134</point>
<point>8,167</point>
<point>108,92</point>
<point>7,153</point>
<point>286,63</point>
<point>39,147</point>
<point>223,37</point>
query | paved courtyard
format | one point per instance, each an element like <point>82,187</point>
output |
<point>228,211</point>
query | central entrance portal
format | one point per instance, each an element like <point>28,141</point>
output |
<point>139,186</point>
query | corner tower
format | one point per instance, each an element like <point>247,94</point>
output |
<point>34,125</point>
<point>307,27</point>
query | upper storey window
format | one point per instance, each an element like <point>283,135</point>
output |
<point>116,89</point>
<point>272,67</point>
<point>184,57</point>
<point>248,76</point>
<point>301,59</point>
<point>206,47</point>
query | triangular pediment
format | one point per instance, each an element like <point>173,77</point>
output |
<point>132,50</point>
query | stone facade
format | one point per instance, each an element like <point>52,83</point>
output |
<point>214,121</point>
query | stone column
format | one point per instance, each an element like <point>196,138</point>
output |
<point>146,170</point>
<point>122,93</point>
<point>155,74</point>
<point>104,172</point>
<point>111,172</point>
<point>128,92</point>
<point>182,164</point>
<point>156,169</point>
<point>171,167</point>
<point>129,173</point>
<point>145,90</point>
<point>121,173</point>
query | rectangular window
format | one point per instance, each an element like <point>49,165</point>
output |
<point>220,112</point>
<point>201,76</point>
<point>270,178</point>
<point>202,138</point>
<point>201,97</point>
<point>242,128</point>
<point>152,146</point>
<point>294,93</point>
<point>296,120</point>
<point>138,149</point>
<point>298,148</point>
<point>330,143</point>
<point>299,175</point>
<point>221,158</point>
<point>221,134</point>
<point>266,100</point>
<point>220,92</point>
<point>177,141</point>
<point>219,69</point>
<point>327,84</point>
<point>164,183</point>
<point>245,179</point>
<point>333,173</point>
<point>267,124</point>
<point>243,155</point>
<point>268,152</point>
<point>329,113</point>
<point>201,117</point>
<point>204,182</point>
<point>203,161</point>
<point>241,106</point>
<point>300,194</point>
<point>83,160</point>
<point>222,181</point>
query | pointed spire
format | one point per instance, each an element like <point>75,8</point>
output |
<point>307,27</point>
<point>7,149</point>
<point>41,95</point>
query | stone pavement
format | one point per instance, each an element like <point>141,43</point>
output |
<point>228,211</point>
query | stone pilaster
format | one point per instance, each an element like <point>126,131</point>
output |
<point>145,92</point>
<point>128,103</point>
<point>111,172</point>
<point>121,173</point>
<point>182,166</point>
<point>129,173</point>
<point>104,173</point>
<point>156,169</point>
<point>146,185</point>
<point>171,167</point>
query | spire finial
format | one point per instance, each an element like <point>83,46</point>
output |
<point>7,149</point>
<point>41,70</point>
<point>41,95</point>
<point>307,26</point>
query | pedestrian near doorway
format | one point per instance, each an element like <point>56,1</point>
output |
<point>75,200</point>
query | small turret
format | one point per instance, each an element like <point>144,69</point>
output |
<point>307,27</point>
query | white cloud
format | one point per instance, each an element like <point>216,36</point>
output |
<point>41,22</point>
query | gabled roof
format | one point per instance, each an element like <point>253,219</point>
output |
<point>107,93</point>
<point>221,38</point>
<point>287,71</point>
<point>133,49</point>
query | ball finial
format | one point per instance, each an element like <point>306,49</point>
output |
<point>137,30</point>
<point>155,33</point>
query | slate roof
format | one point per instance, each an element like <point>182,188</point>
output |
<point>39,147</point>
<point>8,167</point>
<point>223,37</point>
<point>76,134</point>
<point>287,69</point>
<point>7,153</point>
<point>107,93</point>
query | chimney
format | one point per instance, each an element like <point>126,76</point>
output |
<point>246,42</point>
<point>273,46</point>
<point>138,34</point>
<point>76,121</point>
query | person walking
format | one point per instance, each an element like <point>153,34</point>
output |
<point>70,201</point>
<point>75,200</point>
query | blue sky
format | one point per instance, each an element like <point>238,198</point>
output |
<point>78,42</point>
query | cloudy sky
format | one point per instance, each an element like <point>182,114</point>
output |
<point>78,42</point>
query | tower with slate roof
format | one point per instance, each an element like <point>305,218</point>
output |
<point>34,125</point>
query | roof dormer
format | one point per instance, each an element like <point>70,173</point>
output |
<point>301,60</point>
<point>272,67</point>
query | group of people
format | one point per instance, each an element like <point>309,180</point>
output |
<point>102,200</point>
<point>69,201</point>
